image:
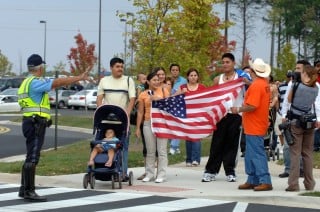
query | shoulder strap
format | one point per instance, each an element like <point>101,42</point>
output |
<point>128,82</point>
<point>163,92</point>
<point>295,87</point>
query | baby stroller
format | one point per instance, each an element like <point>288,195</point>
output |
<point>269,138</point>
<point>108,117</point>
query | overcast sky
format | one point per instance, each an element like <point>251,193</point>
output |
<point>22,34</point>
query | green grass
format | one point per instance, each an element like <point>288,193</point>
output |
<point>73,158</point>
<point>311,194</point>
<point>316,160</point>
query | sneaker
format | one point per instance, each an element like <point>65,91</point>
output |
<point>231,178</point>
<point>171,151</point>
<point>207,177</point>
<point>188,164</point>
<point>159,180</point>
<point>146,179</point>
<point>284,175</point>
<point>177,151</point>
<point>195,163</point>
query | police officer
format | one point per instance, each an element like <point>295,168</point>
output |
<point>35,106</point>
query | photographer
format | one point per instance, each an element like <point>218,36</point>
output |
<point>284,108</point>
<point>302,97</point>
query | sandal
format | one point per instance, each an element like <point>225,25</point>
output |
<point>142,176</point>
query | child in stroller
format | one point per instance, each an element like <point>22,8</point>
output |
<point>107,145</point>
<point>111,122</point>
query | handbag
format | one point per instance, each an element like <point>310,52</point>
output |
<point>134,115</point>
<point>308,121</point>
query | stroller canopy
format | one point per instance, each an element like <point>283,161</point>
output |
<point>110,117</point>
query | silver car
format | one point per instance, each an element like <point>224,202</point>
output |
<point>9,92</point>
<point>9,103</point>
<point>84,98</point>
<point>63,97</point>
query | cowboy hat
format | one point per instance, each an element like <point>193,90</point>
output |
<point>261,68</point>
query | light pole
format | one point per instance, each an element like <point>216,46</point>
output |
<point>99,56</point>
<point>45,38</point>
<point>56,108</point>
<point>125,43</point>
<point>131,47</point>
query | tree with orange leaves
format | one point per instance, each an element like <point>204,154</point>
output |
<point>82,57</point>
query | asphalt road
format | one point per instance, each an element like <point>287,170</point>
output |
<point>13,142</point>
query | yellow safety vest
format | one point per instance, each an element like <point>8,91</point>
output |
<point>28,106</point>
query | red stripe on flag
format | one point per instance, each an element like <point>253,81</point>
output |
<point>204,109</point>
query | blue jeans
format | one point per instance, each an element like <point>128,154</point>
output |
<point>317,140</point>
<point>125,154</point>
<point>256,162</point>
<point>193,151</point>
<point>286,157</point>
<point>175,144</point>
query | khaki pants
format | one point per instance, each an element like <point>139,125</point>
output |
<point>154,144</point>
<point>303,147</point>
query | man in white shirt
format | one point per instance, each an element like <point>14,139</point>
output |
<point>119,90</point>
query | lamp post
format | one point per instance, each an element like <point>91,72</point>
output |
<point>131,47</point>
<point>99,56</point>
<point>125,43</point>
<point>56,108</point>
<point>45,38</point>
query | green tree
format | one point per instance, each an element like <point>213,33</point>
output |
<point>245,16</point>
<point>5,65</point>
<point>300,22</point>
<point>177,31</point>
<point>286,60</point>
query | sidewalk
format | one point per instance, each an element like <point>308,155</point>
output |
<point>186,182</point>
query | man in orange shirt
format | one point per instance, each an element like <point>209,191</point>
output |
<point>255,111</point>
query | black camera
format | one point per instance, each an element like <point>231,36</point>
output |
<point>286,131</point>
<point>296,76</point>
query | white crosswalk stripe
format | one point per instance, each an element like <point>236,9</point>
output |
<point>73,202</point>
<point>91,200</point>
<point>72,199</point>
<point>171,206</point>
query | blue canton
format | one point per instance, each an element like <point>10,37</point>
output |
<point>175,105</point>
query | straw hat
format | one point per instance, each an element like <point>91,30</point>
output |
<point>261,68</point>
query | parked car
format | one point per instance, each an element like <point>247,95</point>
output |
<point>9,104</point>
<point>63,98</point>
<point>84,98</point>
<point>10,82</point>
<point>9,91</point>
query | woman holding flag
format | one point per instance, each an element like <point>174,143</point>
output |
<point>193,148</point>
<point>153,91</point>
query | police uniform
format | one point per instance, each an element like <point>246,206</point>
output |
<point>35,106</point>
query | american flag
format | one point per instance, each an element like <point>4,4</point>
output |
<point>193,116</point>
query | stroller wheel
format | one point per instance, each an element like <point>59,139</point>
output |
<point>112,182</point>
<point>273,156</point>
<point>130,178</point>
<point>268,155</point>
<point>278,154</point>
<point>120,180</point>
<point>92,181</point>
<point>85,181</point>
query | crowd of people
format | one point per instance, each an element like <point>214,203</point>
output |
<point>293,101</point>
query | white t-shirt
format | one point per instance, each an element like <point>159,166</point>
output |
<point>117,91</point>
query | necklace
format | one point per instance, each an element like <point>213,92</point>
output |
<point>229,77</point>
